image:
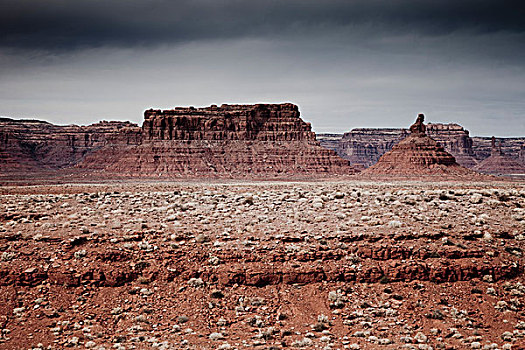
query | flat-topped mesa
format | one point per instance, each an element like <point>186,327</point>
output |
<point>226,141</point>
<point>417,154</point>
<point>263,122</point>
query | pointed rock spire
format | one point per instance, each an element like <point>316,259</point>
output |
<point>417,154</point>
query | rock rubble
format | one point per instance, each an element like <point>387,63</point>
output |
<point>232,266</point>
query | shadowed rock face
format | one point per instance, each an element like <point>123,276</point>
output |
<point>417,154</point>
<point>499,163</point>
<point>418,128</point>
<point>229,140</point>
<point>511,146</point>
<point>262,122</point>
<point>32,145</point>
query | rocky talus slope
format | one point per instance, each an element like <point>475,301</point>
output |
<point>230,140</point>
<point>270,266</point>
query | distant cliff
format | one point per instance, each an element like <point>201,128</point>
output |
<point>510,146</point>
<point>34,144</point>
<point>364,146</point>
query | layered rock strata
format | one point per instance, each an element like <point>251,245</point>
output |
<point>330,141</point>
<point>455,140</point>
<point>226,140</point>
<point>365,146</point>
<point>33,145</point>
<point>499,163</point>
<point>511,146</point>
<point>417,154</point>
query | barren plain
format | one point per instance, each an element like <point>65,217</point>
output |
<point>264,265</point>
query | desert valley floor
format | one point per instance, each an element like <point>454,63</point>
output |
<point>265,265</point>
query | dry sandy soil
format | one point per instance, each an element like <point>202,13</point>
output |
<point>326,265</point>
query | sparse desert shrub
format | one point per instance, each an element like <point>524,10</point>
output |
<point>302,343</point>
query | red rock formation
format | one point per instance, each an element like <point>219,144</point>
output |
<point>262,122</point>
<point>418,154</point>
<point>499,163</point>
<point>510,146</point>
<point>455,140</point>
<point>32,145</point>
<point>364,146</point>
<point>229,140</point>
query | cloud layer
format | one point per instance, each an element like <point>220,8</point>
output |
<point>65,24</point>
<point>346,63</point>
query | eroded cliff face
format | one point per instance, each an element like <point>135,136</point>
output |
<point>33,145</point>
<point>330,141</point>
<point>230,140</point>
<point>365,146</point>
<point>510,146</point>
<point>262,122</point>
<point>455,140</point>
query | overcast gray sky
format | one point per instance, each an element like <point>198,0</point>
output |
<point>347,64</point>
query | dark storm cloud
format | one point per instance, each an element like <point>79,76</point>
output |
<point>58,25</point>
<point>362,63</point>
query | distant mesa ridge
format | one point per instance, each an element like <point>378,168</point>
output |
<point>498,162</point>
<point>364,146</point>
<point>34,145</point>
<point>230,140</point>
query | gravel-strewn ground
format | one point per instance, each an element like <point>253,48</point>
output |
<point>328,265</point>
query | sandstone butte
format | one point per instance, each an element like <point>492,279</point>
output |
<point>499,163</point>
<point>230,140</point>
<point>418,154</point>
